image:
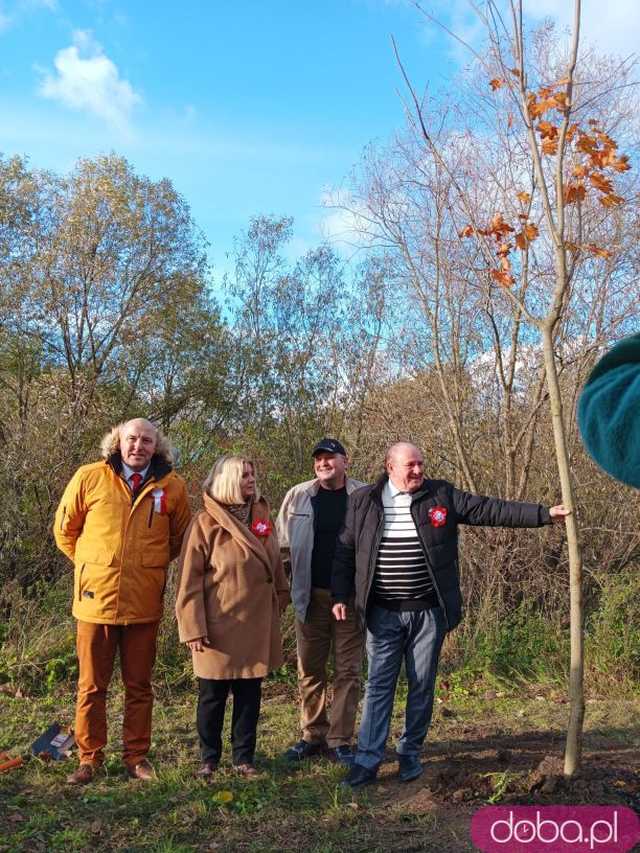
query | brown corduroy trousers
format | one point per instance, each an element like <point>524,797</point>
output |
<point>315,637</point>
<point>96,646</point>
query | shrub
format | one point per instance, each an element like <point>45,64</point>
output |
<point>613,630</point>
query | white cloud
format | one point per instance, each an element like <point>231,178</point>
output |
<point>87,80</point>
<point>611,28</point>
<point>345,223</point>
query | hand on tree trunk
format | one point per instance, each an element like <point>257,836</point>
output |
<point>559,513</point>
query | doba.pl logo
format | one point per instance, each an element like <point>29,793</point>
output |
<point>555,829</point>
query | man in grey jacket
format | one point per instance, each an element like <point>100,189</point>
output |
<point>308,524</point>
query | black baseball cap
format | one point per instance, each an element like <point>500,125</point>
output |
<point>329,445</point>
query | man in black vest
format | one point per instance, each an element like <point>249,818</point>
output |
<point>398,551</point>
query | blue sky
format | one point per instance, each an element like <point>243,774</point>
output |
<point>248,107</point>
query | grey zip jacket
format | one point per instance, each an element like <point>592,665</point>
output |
<point>295,528</point>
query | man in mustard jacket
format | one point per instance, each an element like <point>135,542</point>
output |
<point>121,521</point>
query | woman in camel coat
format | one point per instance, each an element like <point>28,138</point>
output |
<point>231,591</point>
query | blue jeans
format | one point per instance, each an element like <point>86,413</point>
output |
<point>415,636</point>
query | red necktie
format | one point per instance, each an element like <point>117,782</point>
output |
<point>135,480</point>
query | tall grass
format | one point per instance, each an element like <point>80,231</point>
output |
<point>37,641</point>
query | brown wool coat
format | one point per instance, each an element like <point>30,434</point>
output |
<point>227,591</point>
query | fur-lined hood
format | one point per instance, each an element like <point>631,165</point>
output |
<point>110,445</point>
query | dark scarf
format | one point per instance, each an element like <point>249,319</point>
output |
<point>241,511</point>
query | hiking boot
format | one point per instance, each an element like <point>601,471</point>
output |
<point>82,775</point>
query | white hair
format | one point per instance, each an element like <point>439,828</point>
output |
<point>110,443</point>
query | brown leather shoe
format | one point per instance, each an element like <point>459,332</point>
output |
<point>206,769</point>
<point>82,776</point>
<point>143,770</point>
<point>248,771</point>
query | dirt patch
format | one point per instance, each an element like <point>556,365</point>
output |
<point>517,769</point>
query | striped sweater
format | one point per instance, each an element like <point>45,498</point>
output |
<point>401,568</point>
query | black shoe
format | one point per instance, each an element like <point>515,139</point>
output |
<point>344,755</point>
<point>360,776</point>
<point>409,767</point>
<point>303,749</point>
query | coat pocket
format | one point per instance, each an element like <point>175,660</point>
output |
<point>97,589</point>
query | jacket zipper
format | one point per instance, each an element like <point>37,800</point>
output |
<point>150,514</point>
<point>429,566</point>
<point>373,558</point>
<point>80,583</point>
<point>64,515</point>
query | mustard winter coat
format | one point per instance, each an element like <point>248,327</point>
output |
<point>121,549</point>
<point>227,591</point>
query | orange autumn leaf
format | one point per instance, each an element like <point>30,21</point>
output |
<point>601,183</point>
<point>543,106</point>
<point>559,101</point>
<point>524,197</point>
<point>545,92</point>
<point>611,200</point>
<point>496,83</point>
<point>528,233</point>
<point>587,144</point>
<point>535,108</point>
<point>547,130</point>
<point>467,231</point>
<point>574,192</point>
<point>571,131</point>
<point>498,226</point>
<point>515,72</point>
<point>573,247</point>
<point>502,277</point>
<point>580,171</point>
<point>620,164</point>
<point>549,146</point>
<point>606,140</point>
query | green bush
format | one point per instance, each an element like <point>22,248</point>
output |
<point>37,643</point>
<point>523,646</point>
<point>613,630</point>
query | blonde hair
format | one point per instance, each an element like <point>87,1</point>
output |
<point>223,481</point>
<point>110,443</point>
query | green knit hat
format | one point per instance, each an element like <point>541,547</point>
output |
<point>609,412</point>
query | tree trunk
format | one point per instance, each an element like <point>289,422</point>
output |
<point>573,748</point>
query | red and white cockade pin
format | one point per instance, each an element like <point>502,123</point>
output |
<point>438,516</point>
<point>159,501</point>
<point>262,527</point>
